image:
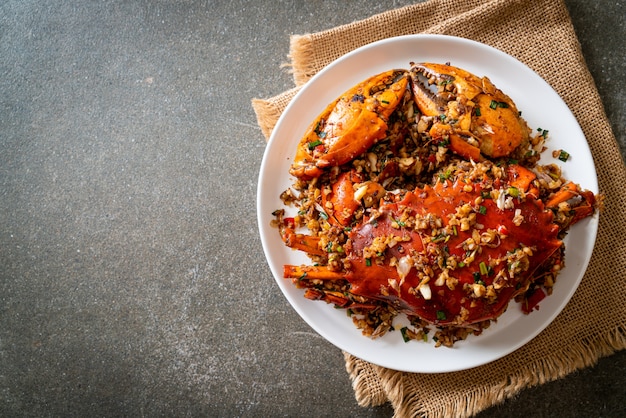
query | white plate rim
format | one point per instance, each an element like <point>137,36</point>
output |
<point>388,351</point>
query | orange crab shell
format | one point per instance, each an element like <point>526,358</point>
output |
<point>350,125</point>
<point>474,108</point>
<point>447,304</point>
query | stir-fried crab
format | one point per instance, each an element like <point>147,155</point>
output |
<point>398,224</point>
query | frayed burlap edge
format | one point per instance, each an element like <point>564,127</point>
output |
<point>268,111</point>
<point>301,58</point>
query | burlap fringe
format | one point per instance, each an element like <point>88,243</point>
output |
<point>366,384</point>
<point>301,57</point>
<point>266,115</point>
<point>580,354</point>
<point>268,111</point>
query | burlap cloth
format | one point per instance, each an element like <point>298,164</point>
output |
<point>540,34</point>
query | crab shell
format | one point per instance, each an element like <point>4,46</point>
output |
<point>470,114</point>
<point>350,125</point>
<point>424,275</point>
<point>470,110</point>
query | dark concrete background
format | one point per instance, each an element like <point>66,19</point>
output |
<point>132,279</point>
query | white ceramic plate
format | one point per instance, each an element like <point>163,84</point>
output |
<point>541,107</point>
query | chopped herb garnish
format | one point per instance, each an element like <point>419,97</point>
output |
<point>483,268</point>
<point>477,111</point>
<point>441,315</point>
<point>314,144</point>
<point>324,216</point>
<point>368,262</point>
<point>440,237</point>
<point>495,104</point>
<point>482,210</point>
<point>543,132</point>
<point>461,264</point>
<point>513,191</point>
<point>405,335</point>
<point>446,175</point>
<point>399,222</point>
<point>385,101</point>
<point>563,155</point>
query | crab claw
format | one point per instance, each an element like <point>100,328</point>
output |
<point>350,125</point>
<point>347,194</point>
<point>573,203</point>
<point>475,116</point>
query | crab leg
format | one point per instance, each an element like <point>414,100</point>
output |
<point>570,191</point>
<point>307,243</point>
<point>311,273</point>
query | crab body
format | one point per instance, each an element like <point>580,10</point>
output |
<point>451,268</point>
<point>454,253</point>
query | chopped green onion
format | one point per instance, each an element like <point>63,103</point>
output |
<point>461,264</point>
<point>482,210</point>
<point>441,315</point>
<point>477,111</point>
<point>405,335</point>
<point>495,104</point>
<point>563,155</point>
<point>324,216</point>
<point>513,191</point>
<point>446,175</point>
<point>368,262</point>
<point>483,268</point>
<point>314,144</point>
<point>385,101</point>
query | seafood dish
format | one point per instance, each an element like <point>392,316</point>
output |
<point>420,192</point>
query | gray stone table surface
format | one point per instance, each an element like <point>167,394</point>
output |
<point>132,278</point>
